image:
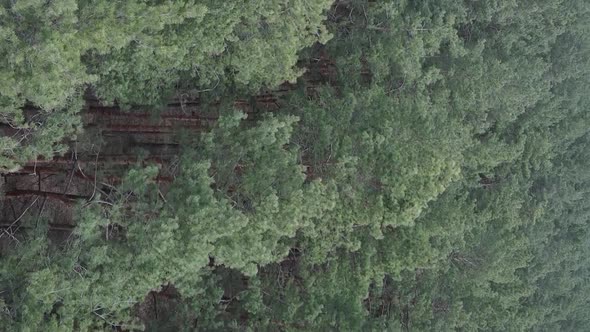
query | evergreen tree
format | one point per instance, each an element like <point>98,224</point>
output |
<point>436,180</point>
<point>136,53</point>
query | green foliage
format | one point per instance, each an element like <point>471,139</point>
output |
<point>242,45</point>
<point>436,181</point>
<point>136,53</point>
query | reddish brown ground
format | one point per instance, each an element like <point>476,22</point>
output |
<point>112,142</point>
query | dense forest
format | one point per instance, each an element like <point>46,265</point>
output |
<point>295,165</point>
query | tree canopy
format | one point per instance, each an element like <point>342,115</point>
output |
<point>137,52</point>
<point>426,168</point>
